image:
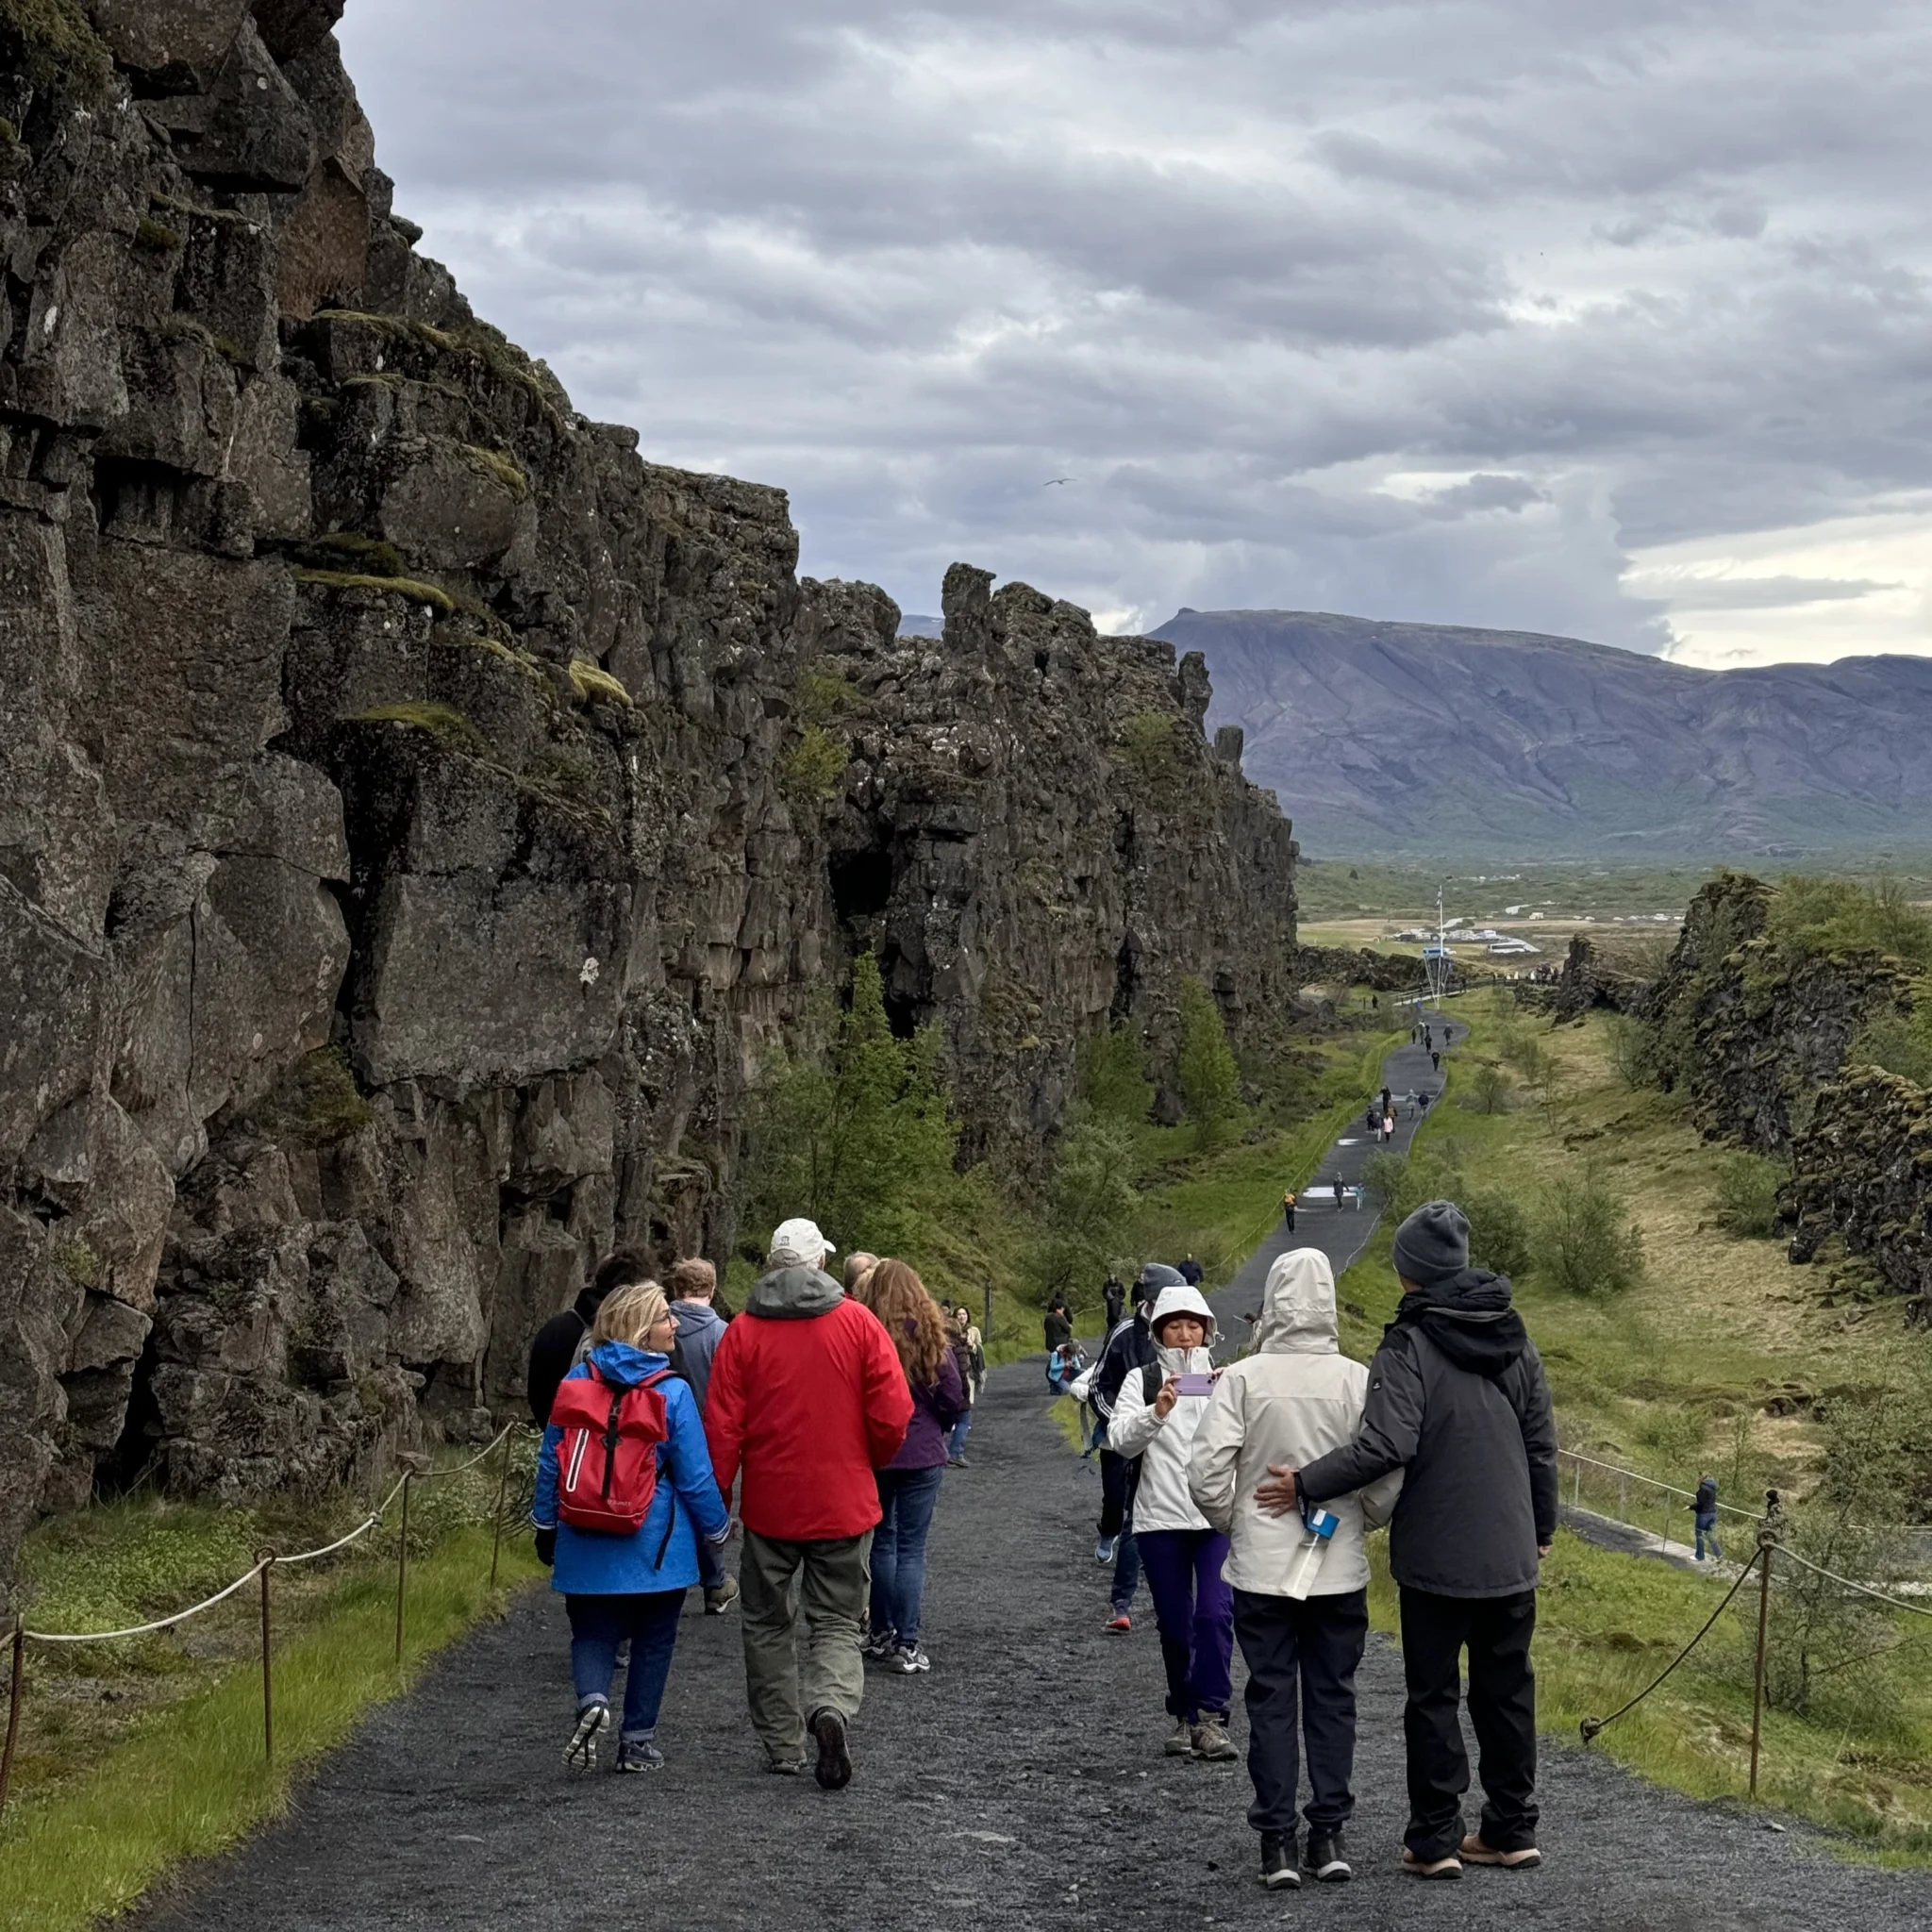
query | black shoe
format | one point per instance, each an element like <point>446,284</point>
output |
<point>834,1768</point>
<point>1277,1860</point>
<point>1325,1859</point>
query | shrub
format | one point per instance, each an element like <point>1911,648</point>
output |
<point>1403,1182</point>
<point>1210,1081</point>
<point>1489,1088</point>
<point>1499,1237</point>
<point>1111,1074</point>
<point>1747,1196</point>
<point>1585,1242</point>
<point>1145,747</point>
<point>1090,1201</point>
<point>1633,1050</point>
<point>1819,915</point>
<point>1900,1045</point>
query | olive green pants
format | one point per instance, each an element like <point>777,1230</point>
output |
<point>830,1582</point>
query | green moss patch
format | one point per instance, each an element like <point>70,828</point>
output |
<point>317,1101</point>
<point>594,684</point>
<point>433,595</point>
<point>454,730</point>
<point>350,551</point>
<point>498,468</point>
<point>50,43</point>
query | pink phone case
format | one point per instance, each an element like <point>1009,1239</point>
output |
<point>1193,1385</point>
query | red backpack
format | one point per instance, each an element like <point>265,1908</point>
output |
<point>607,1464</point>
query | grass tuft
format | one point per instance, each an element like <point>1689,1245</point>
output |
<point>413,589</point>
<point>454,730</point>
<point>594,685</point>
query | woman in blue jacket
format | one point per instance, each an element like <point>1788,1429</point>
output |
<point>618,1587</point>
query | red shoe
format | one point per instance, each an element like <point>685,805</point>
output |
<point>1119,1623</point>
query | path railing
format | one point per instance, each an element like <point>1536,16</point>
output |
<point>262,1570</point>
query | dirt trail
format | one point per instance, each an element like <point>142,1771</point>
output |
<point>1019,1785</point>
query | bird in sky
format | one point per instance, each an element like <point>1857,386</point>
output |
<point>1052,480</point>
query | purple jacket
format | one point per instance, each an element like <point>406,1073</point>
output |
<point>935,1410</point>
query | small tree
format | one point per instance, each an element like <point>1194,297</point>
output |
<point>1111,1073</point>
<point>1489,1088</point>
<point>1090,1201</point>
<point>1499,1237</point>
<point>1210,1081</point>
<point>1586,1241</point>
<point>1747,1196</point>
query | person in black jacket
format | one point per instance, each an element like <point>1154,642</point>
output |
<point>1059,1323</point>
<point>554,1351</point>
<point>1113,1300</point>
<point>1458,1399</point>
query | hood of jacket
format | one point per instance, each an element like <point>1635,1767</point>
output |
<point>590,1299</point>
<point>618,1361</point>
<point>1179,1301</point>
<point>794,1294</point>
<point>1469,1318</point>
<point>1298,1307</point>
<point>695,1317</point>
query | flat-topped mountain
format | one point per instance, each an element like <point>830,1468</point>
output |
<point>1418,738</point>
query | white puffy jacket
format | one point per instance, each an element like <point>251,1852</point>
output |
<point>1295,1398</point>
<point>1162,1443</point>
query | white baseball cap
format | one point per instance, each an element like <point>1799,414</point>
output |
<point>799,1244</point>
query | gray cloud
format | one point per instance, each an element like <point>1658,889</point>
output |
<point>1419,310</point>
<point>1770,593</point>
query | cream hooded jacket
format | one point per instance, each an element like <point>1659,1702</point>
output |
<point>1162,1442</point>
<point>1295,1398</point>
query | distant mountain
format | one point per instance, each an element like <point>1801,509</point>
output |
<point>1426,739</point>
<point>911,625</point>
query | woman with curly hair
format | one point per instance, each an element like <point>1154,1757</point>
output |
<point>910,1484</point>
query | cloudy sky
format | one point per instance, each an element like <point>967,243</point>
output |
<point>1612,321</point>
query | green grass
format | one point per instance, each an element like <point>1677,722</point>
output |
<point>189,1780</point>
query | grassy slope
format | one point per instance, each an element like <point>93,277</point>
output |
<point>1670,1379</point>
<point>139,1754</point>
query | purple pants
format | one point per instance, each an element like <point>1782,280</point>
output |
<point>1194,1610</point>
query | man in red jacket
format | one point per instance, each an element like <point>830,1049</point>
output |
<point>806,1400</point>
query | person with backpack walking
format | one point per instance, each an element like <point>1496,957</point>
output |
<point>1704,1518</point>
<point>806,1401</point>
<point>1300,1603</point>
<point>1155,1419</point>
<point>1458,1400</point>
<point>969,1350</point>
<point>624,1493</point>
<point>691,1285</point>
<point>1288,1209</point>
<point>555,1346</point>
<point>908,1485</point>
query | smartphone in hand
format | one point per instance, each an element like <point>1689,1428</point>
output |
<point>1193,1385</point>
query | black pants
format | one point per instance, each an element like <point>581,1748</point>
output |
<point>1116,1491</point>
<point>1502,1708</point>
<point>1312,1649</point>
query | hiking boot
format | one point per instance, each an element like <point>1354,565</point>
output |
<point>1182,1742</point>
<point>721,1599</point>
<point>834,1768</point>
<point>1211,1742</point>
<point>1475,1853</point>
<point>1277,1860</point>
<point>639,1754</point>
<point>1447,1867</point>
<point>1103,1550</point>
<point>1325,1861</point>
<point>1119,1623</point>
<point>593,1720</point>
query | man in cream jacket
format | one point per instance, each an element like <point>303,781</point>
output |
<point>1296,1398</point>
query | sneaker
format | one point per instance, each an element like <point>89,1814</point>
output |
<point>1103,1550</point>
<point>1211,1742</point>
<point>1181,1744</point>
<point>785,1766</point>
<point>1449,1867</point>
<point>1325,1859</point>
<point>1277,1861</point>
<point>880,1644</point>
<point>639,1754</point>
<point>593,1720</point>
<point>909,1660</point>
<point>1119,1623</point>
<point>957,1462</point>
<point>834,1768</point>
<point>721,1599</point>
<point>1476,1853</point>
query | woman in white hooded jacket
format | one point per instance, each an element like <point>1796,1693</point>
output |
<point>1295,1398</point>
<point>1181,1552</point>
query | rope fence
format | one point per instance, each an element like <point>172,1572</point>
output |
<point>261,1568</point>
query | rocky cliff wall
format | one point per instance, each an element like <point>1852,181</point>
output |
<point>419,814</point>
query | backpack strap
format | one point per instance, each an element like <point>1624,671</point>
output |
<point>671,1515</point>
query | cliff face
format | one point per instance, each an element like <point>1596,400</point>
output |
<point>418,814</point>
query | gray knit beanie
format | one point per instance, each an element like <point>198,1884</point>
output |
<point>1432,1244</point>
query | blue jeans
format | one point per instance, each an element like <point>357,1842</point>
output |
<point>956,1441</point>
<point>906,1497</point>
<point>1706,1526</point>
<point>1127,1572</point>
<point>598,1625</point>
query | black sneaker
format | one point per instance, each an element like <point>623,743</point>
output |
<point>639,1754</point>
<point>1277,1860</point>
<point>1325,1859</point>
<point>834,1768</point>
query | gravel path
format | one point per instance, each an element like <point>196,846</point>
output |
<point>1021,1784</point>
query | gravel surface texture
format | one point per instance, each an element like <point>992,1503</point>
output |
<point>1020,1784</point>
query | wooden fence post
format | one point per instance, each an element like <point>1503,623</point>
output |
<point>268,1685</point>
<point>501,1491</point>
<point>402,1563</point>
<point>19,1686</point>
<point>1765,1546</point>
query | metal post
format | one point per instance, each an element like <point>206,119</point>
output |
<point>1624,1497</point>
<point>501,1491</point>
<point>1764,1550</point>
<point>19,1675</point>
<point>402,1563</point>
<point>268,1685</point>
<point>1577,1485</point>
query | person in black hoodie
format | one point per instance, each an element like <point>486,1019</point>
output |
<point>554,1351</point>
<point>1458,1399</point>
